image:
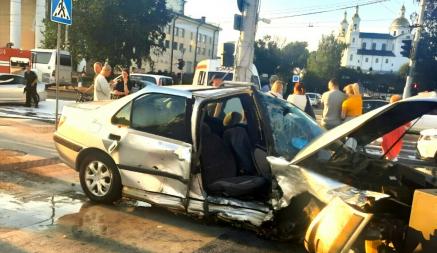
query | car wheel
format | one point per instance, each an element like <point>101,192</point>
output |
<point>100,179</point>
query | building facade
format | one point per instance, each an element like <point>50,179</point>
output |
<point>374,52</point>
<point>21,23</point>
<point>187,38</point>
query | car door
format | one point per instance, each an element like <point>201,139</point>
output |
<point>11,88</point>
<point>154,152</point>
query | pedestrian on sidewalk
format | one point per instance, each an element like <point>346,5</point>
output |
<point>332,101</point>
<point>353,105</point>
<point>299,99</point>
<point>102,88</point>
<point>392,142</point>
<point>31,82</point>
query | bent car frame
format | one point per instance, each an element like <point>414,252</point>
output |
<point>239,155</point>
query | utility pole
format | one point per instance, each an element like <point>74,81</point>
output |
<point>412,65</point>
<point>245,47</point>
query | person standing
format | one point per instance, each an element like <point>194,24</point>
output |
<point>299,99</point>
<point>392,142</point>
<point>277,89</point>
<point>123,86</point>
<point>31,82</point>
<point>332,101</point>
<point>353,105</point>
<point>102,88</point>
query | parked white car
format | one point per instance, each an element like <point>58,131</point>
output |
<point>427,144</point>
<point>315,98</point>
<point>12,87</point>
<point>155,79</point>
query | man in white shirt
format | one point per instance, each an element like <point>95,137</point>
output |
<point>102,89</point>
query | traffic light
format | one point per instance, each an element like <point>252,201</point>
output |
<point>241,5</point>
<point>406,48</point>
<point>181,64</point>
<point>228,54</point>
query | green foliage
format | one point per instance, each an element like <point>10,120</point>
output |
<point>324,63</point>
<point>272,59</point>
<point>114,30</point>
<point>404,69</point>
<point>426,66</point>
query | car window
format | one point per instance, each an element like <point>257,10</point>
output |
<point>65,60</point>
<point>220,109</point>
<point>166,81</point>
<point>122,117</point>
<point>160,114</point>
<point>291,128</point>
<point>6,79</point>
<point>146,78</point>
<point>11,79</point>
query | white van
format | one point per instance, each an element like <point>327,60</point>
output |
<point>207,69</point>
<point>44,64</point>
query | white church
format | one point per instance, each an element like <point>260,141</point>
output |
<point>374,52</point>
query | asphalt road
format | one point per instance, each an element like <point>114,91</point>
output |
<point>43,209</point>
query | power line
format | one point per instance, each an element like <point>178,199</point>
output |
<point>330,10</point>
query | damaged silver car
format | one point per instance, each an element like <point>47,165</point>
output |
<point>242,156</point>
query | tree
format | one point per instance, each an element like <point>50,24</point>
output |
<point>118,30</point>
<point>426,65</point>
<point>266,55</point>
<point>324,63</point>
<point>273,59</point>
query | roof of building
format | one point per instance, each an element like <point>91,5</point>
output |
<point>385,36</point>
<point>375,52</point>
<point>400,22</point>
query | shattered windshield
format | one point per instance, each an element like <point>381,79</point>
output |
<point>292,129</point>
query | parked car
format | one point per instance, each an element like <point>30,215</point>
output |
<point>370,104</point>
<point>12,89</point>
<point>427,144</point>
<point>156,79</point>
<point>315,98</point>
<point>245,157</point>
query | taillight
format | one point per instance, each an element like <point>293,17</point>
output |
<point>61,121</point>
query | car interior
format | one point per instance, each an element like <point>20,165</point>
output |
<point>232,150</point>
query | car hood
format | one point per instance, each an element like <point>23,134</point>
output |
<point>372,125</point>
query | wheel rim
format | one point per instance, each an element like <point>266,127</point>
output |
<point>98,178</point>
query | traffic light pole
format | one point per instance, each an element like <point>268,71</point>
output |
<point>245,48</point>
<point>412,65</point>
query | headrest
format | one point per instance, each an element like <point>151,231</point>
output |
<point>232,118</point>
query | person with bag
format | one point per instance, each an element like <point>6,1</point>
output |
<point>299,99</point>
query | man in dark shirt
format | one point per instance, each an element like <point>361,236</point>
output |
<point>31,81</point>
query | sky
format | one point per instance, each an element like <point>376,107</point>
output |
<point>310,28</point>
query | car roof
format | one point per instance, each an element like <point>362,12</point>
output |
<point>159,76</point>
<point>194,90</point>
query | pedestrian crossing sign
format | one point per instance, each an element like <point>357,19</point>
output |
<point>61,11</point>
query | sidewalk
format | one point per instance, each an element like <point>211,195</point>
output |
<point>45,112</point>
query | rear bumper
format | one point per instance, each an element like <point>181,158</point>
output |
<point>67,150</point>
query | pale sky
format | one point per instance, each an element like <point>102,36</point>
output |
<point>374,18</point>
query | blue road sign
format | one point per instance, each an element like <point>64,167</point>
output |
<point>295,79</point>
<point>61,11</point>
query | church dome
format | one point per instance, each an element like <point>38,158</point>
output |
<point>400,21</point>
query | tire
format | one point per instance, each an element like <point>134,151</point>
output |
<point>100,179</point>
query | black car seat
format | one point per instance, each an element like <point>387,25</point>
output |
<point>236,137</point>
<point>219,170</point>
